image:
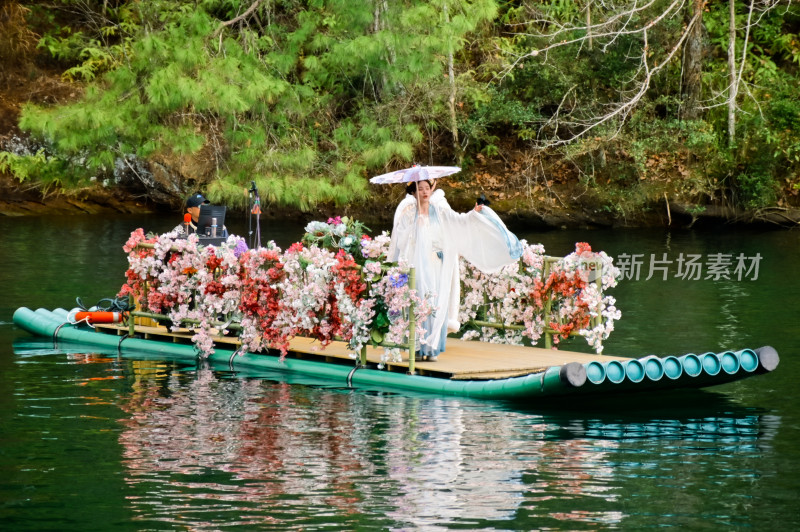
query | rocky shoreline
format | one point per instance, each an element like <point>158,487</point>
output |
<point>16,200</point>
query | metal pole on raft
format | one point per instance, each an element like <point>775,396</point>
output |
<point>412,323</point>
<point>255,210</point>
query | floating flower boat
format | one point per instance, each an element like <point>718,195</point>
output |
<point>329,307</point>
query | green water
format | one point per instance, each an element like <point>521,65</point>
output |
<point>92,442</point>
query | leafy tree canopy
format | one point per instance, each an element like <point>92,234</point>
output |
<point>309,98</point>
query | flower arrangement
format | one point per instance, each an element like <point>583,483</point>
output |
<point>307,290</point>
<point>186,282</point>
<point>261,273</point>
<point>394,300</point>
<point>337,234</point>
<point>379,313</point>
<point>336,284</point>
<point>354,310</point>
<point>575,287</point>
<point>562,296</point>
<point>503,298</point>
<point>142,267</point>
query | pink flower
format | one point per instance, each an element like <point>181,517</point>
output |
<point>583,249</point>
<point>136,237</point>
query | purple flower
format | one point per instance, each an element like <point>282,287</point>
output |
<point>241,247</point>
<point>399,281</point>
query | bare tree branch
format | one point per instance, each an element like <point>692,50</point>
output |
<point>623,19</point>
<point>240,18</point>
<point>597,31</point>
<point>622,109</point>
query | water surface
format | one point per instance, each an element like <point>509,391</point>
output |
<point>89,441</point>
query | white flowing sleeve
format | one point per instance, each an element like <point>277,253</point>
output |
<point>481,238</point>
<point>403,231</point>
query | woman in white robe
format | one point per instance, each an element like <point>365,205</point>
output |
<point>431,236</point>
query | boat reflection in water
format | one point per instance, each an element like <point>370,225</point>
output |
<point>257,444</point>
<point>205,447</point>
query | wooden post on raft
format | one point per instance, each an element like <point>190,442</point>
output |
<point>598,269</point>
<point>131,321</point>
<point>412,323</point>
<point>548,334</point>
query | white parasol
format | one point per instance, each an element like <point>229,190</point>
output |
<point>415,173</point>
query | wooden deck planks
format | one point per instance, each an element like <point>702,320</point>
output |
<point>463,360</point>
<point>479,360</point>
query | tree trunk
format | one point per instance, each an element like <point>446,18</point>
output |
<point>732,89</point>
<point>452,100</point>
<point>589,24</point>
<point>691,81</point>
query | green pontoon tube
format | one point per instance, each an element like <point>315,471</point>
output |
<point>573,378</point>
<point>687,371</point>
<point>557,380</point>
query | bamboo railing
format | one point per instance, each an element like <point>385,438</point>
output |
<point>549,332</point>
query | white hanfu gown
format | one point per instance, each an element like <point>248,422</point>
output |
<point>432,245</point>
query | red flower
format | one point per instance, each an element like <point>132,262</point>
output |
<point>215,287</point>
<point>560,285</point>
<point>213,263</point>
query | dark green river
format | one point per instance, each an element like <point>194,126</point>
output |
<point>89,441</point>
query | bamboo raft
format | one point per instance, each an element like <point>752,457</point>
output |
<point>467,368</point>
